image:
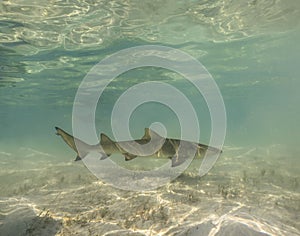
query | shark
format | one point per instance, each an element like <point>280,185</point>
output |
<point>150,145</point>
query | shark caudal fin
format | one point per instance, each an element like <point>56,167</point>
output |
<point>74,143</point>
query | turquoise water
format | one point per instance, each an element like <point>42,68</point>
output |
<point>250,48</point>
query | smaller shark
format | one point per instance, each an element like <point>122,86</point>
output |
<point>175,149</point>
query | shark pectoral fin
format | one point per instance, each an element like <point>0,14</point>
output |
<point>214,150</point>
<point>203,148</point>
<point>79,158</point>
<point>105,156</point>
<point>129,157</point>
<point>177,160</point>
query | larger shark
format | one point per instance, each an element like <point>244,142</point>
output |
<point>150,145</point>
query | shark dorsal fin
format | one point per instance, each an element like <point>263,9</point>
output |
<point>147,134</point>
<point>105,139</point>
<point>150,133</point>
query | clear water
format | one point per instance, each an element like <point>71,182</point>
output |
<point>251,48</point>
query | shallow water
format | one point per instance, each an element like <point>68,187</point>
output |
<point>251,50</point>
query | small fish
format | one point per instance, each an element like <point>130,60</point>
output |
<point>150,145</point>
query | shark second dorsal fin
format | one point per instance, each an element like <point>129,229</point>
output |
<point>105,139</point>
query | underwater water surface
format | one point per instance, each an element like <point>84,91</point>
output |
<point>251,49</point>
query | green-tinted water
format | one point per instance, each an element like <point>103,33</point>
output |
<point>250,48</point>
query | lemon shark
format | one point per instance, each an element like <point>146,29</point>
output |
<point>150,145</point>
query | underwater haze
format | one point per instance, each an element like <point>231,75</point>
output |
<point>251,49</point>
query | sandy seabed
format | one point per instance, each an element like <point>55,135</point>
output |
<point>248,192</point>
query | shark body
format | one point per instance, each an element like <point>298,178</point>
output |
<point>154,146</point>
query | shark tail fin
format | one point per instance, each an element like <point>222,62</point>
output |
<point>69,139</point>
<point>74,143</point>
